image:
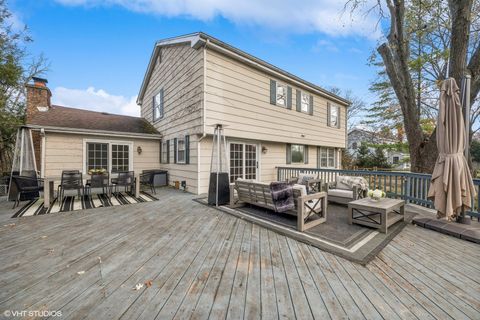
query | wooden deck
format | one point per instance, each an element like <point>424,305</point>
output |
<point>207,264</point>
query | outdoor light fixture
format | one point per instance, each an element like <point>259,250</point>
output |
<point>264,149</point>
<point>139,150</point>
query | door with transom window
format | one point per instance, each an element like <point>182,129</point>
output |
<point>243,161</point>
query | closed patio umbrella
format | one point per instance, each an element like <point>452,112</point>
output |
<point>452,185</point>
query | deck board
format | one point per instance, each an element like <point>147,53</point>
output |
<point>204,263</point>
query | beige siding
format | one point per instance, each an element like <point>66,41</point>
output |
<point>275,156</point>
<point>65,152</point>
<point>179,71</point>
<point>239,96</point>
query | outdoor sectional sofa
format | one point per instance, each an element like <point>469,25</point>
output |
<point>258,194</point>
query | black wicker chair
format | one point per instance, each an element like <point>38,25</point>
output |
<point>71,180</point>
<point>147,178</point>
<point>125,179</point>
<point>26,188</point>
<point>98,181</point>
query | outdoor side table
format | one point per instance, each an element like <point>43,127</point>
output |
<point>376,214</point>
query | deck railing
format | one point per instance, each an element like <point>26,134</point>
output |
<point>412,187</point>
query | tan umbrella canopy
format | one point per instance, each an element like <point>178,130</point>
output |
<point>452,184</point>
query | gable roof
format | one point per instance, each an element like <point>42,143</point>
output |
<point>71,118</point>
<point>200,39</point>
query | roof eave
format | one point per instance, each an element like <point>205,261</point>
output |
<point>93,132</point>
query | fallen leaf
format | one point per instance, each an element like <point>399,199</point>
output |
<point>11,225</point>
<point>50,251</point>
<point>138,286</point>
<point>148,283</point>
<point>43,237</point>
<point>81,272</point>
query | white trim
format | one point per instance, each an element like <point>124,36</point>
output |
<point>95,132</point>
<point>184,151</point>
<point>42,152</point>
<point>110,143</point>
<point>258,152</point>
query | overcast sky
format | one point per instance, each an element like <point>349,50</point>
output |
<point>99,50</point>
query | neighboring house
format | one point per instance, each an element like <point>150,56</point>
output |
<point>358,136</point>
<point>67,138</point>
<point>271,117</point>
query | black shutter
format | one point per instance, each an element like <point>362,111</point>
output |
<point>161,143</point>
<point>289,97</point>
<point>299,100</point>
<point>273,92</point>
<point>305,160</point>
<point>328,114</point>
<point>161,104</point>
<point>289,153</point>
<point>175,150</point>
<point>168,151</point>
<point>187,149</point>
<point>310,105</point>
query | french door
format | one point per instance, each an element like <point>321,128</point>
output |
<point>243,161</point>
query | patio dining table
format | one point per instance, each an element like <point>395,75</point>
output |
<point>49,189</point>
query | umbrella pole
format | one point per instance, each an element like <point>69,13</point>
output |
<point>466,102</point>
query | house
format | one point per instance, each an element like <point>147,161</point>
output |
<point>67,138</point>
<point>357,137</point>
<point>271,118</point>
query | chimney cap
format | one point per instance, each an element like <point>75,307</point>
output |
<point>39,80</point>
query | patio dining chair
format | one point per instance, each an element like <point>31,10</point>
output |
<point>125,179</point>
<point>98,181</point>
<point>147,178</point>
<point>71,180</point>
<point>26,188</point>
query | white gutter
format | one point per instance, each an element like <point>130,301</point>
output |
<point>94,132</point>
<point>42,156</point>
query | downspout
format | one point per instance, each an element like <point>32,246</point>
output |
<point>204,109</point>
<point>42,156</point>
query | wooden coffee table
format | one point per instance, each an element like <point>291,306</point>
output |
<point>380,215</point>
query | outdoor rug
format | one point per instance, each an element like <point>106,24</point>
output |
<point>72,203</point>
<point>356,243</point>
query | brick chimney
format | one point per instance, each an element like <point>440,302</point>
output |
<point>38,97</point>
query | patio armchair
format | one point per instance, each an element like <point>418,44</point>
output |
<point>71,180</point>
<point>26,188</point>
<point>98,181</point>
<point>312,183</point>
<point>147,178</point>
<point>125,179</point>
<point>343,193</point>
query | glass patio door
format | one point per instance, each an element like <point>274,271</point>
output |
<point>243,161</point>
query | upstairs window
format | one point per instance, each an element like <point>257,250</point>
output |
<point>333,116</point>
<point>305,103</point>
<point>281,98</point>
<point>158,105</point>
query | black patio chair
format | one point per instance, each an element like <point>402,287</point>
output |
<point>124,179</point>
<point>147,178</point>
<point>27,188</point>
<point>98,181</point>
<point>71,180</point>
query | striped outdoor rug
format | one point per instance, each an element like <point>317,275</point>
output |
<point>72,203</point>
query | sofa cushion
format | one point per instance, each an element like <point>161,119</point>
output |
<point>340,193</point>
<point>304,178</point>
<point>340,185</point>
<point>302,188</point>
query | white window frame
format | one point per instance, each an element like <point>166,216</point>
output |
<point>284,87</point>
<point>164,155</point>
<point>337,112</point>
<point>158,108</point>
<point>110,143</point>
<point>325,151</point>
<point>305,102</point>
<point>184,151</point>
<point>258,152</point>
<point>291,153</point>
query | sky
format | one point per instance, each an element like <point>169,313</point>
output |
<point>99,50</point>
